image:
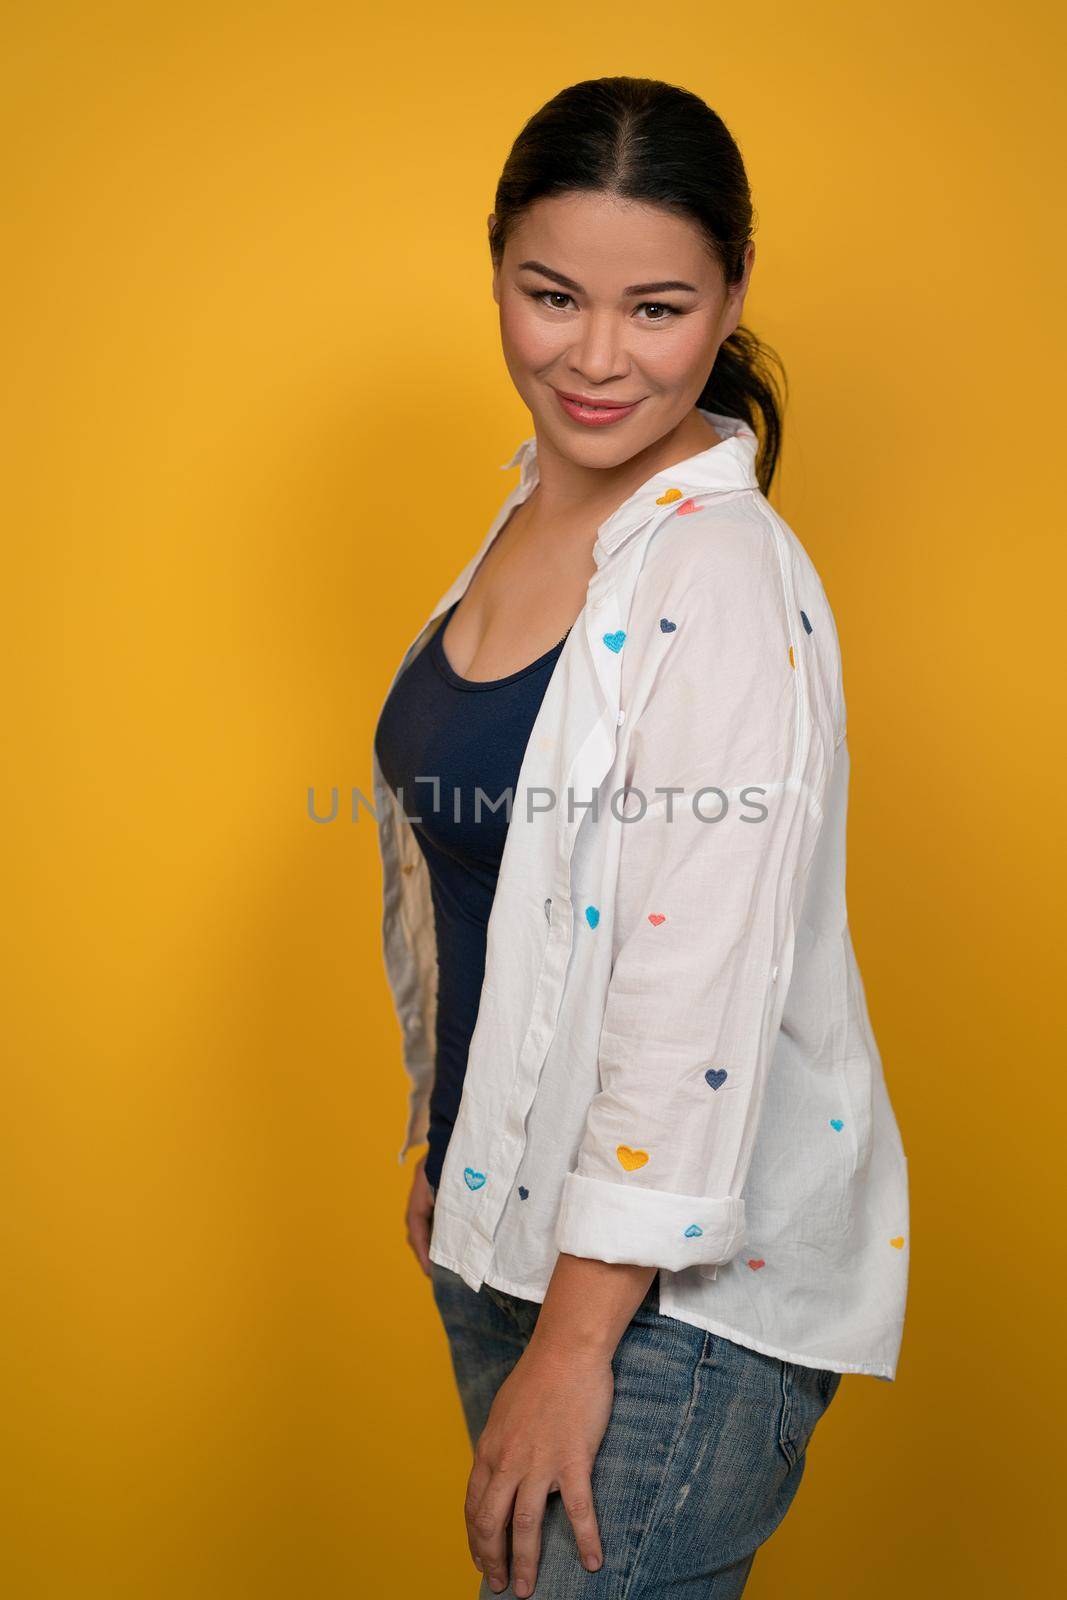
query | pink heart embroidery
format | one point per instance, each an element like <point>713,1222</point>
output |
<point>686,507</point>
<point>656,917</point>
<point>755,1265</point>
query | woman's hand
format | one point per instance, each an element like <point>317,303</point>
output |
<point>419,1215</point>
<point>542,1433</point>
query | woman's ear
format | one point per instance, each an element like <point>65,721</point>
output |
<point>735,301</point>
<point>750,261</point>
<point>490,223</point>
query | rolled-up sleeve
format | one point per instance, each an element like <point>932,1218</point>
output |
<point>708,889</point>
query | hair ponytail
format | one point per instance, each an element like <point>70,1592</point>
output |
<point>748,381</point>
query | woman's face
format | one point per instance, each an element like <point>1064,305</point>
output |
<point>610,301</point>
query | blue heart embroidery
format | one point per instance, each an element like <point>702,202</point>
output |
<point>592,916</point>
<point>716,1076</point>
<point>693,1232</point>
<point>473,1180</point>
<point>614,641</point>
<point>665,626</point>
<point>835,1122</point>
<point>524,1194</point>
<point>804,620</point>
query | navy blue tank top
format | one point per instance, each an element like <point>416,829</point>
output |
<point>469,736</point>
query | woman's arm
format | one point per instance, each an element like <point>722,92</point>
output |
<point>729,753</point>
<point>588,1306</point>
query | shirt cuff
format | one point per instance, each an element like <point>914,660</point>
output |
<point>647,1227</point>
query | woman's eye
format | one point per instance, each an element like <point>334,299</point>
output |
<point>550,298</point>
<point>551,294</point>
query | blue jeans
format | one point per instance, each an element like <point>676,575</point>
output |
<point>700,1461</point>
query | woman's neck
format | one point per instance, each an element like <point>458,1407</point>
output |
<point>567,490</point>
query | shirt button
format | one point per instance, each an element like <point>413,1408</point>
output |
<point>548,909</point>
<point>774,974</point>
<point>621,718</point>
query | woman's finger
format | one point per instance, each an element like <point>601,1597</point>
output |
<point>527,1521</point>
<point>419,1235</point>
<point>476,1482</point>
<point>488,1524</point>
<point>419,1217</point>
<point>577,1491</point>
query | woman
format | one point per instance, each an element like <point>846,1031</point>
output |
<point>664,1204</point>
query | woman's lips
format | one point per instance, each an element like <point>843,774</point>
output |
<point>599,416</point>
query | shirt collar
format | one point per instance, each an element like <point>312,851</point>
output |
<point>721,469</point>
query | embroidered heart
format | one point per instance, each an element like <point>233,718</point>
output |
<point>686,507</point>
<point>755,1265</point>
<point>792,663</point>
<point>614,641</point>
<point>716,1076</point>
<point>804,620</point>
<point>669,498</point>
<point>656,917</point>
<point>665,626</point>
<point>898,1243</point>
<point>472,1179</point>
<point>835,1122</point>
<point>592,916</point>
<point>409,867</point>
<point>631,1159</point>
<point>524,1194</point>
<point>693,1232</point>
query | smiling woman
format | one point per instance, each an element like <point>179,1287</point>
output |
<point>664,1205</point>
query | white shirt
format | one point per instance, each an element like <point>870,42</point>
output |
<point>673,1063</point>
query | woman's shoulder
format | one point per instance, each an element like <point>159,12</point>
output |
<point>735,567</point>
<point>729,545</point>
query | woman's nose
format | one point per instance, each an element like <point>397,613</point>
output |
<point>599,352</point>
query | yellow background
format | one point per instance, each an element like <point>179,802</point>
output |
<point>254,412</point>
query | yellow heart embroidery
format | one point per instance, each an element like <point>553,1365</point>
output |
<point>408,867</point>
<point>898,1244</point>
<point>631,1159</point>
<point>669,498</point>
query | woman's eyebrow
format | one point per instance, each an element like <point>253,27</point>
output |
<point>633,288</point>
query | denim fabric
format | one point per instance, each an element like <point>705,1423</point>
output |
<point>701,1459</point>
